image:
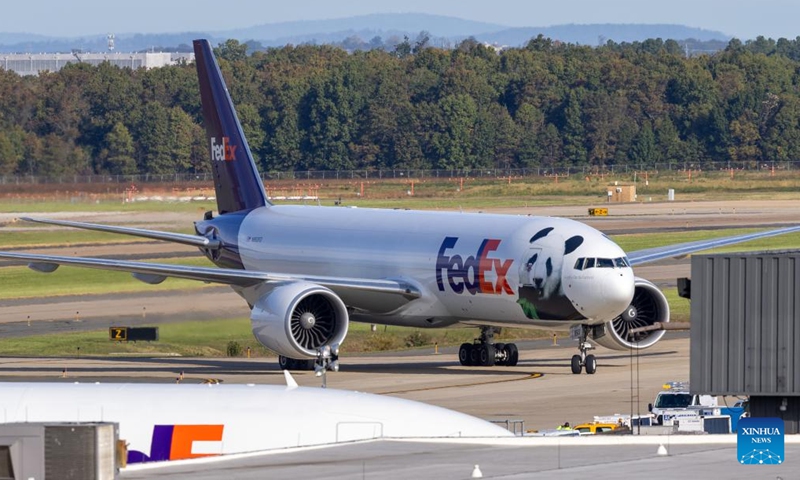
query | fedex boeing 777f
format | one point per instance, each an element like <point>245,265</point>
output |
<point>307,271</point>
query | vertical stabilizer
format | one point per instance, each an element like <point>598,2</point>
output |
<point>236,179</point>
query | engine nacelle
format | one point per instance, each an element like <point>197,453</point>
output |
<point>294,319</point>
<point>650,306</point>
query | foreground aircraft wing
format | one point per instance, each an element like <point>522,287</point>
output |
<point>155,273</point>
<point>193,240</point>
<point>648,255</point>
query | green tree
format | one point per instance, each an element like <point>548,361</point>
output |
<point>9,157</point>
<point>744,140</point>
<point>453,140</point>
<point>403,49</point>
<point>573,132</point>
<point>644,150</point>
<point>154,139</point>
<point>118,154</point>
<point>328,121</point>
<point>231,50</point>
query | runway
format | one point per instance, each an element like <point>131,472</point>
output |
<point>540,390</point>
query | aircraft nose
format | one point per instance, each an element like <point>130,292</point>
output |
<point>618,291</point>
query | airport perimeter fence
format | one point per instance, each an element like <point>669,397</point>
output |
<point>399,174</point>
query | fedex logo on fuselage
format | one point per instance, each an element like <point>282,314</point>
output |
<point>470,274</point>
<point>223,151</point>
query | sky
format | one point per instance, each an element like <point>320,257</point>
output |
<point>744,19</point>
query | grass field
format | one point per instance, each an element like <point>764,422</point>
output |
<point>449,193</point>
<point>212,338</point>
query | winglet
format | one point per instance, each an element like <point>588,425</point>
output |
<point>291,384</point>
<point>236,179</point>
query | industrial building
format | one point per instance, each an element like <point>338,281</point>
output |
<point>34,63</point>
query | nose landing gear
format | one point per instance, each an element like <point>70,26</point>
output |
<point>484,352</point>
<point>583,360</point>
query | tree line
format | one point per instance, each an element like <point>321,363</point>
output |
<point>309,107</point>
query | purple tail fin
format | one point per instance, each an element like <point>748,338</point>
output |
<point>236,179</point>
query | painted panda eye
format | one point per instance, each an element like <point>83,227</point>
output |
<point>549,267</point>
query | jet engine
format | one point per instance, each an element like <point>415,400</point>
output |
<point>294,319</point>
<point>649,305</point>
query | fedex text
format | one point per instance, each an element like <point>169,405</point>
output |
<point>222,151</point>
<point>470,273</point>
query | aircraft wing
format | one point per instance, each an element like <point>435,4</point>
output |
<point>155,273</point>
<point>648,255</point>
<point>193,240</point>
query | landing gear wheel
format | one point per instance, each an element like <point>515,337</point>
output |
<point>285,363</point>
<point>307,365</point>
<point>584,360</point>
<point>465,354</point>
<point>576,364</point>
<point>512,353</point>
<point>487,355</point>
<point>591,364</point>
<point>501,348</point>
<point>475,355</point>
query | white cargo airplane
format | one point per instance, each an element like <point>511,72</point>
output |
<point>175,422</point>
<point>306,271</point>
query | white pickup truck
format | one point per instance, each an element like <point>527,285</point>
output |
<point>675,402</point>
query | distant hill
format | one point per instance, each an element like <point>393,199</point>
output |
<point>443,31</point>
<point>593,34</point>
<point>409,23</point>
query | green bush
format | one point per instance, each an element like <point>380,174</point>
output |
<point>234,349</point>
<point>381,343</point>
<point>417,339</point>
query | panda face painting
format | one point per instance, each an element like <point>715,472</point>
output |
<point>540,274</point>
<point>541,294</point>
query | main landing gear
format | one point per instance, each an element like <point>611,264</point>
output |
<point>327,359</point>
<point>286,363</point>
<point>583,360</point>
<point>483,352</point>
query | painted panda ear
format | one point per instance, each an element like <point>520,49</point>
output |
<point>541,234</point>
<point>572,243</point>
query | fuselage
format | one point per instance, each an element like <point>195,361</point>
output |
<point>485,269</point>
<point>174,422</point>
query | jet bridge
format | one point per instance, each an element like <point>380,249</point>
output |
<point>745,333</point>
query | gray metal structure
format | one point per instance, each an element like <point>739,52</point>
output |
<point>79,451</point>
<point>745,336</point>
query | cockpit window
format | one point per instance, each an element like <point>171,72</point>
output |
<point>586,263</point>
<point>605,263</point>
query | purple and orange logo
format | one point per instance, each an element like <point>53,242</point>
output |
<point>470,273</point>
<point>176,442</point>
<point>222,151</point>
